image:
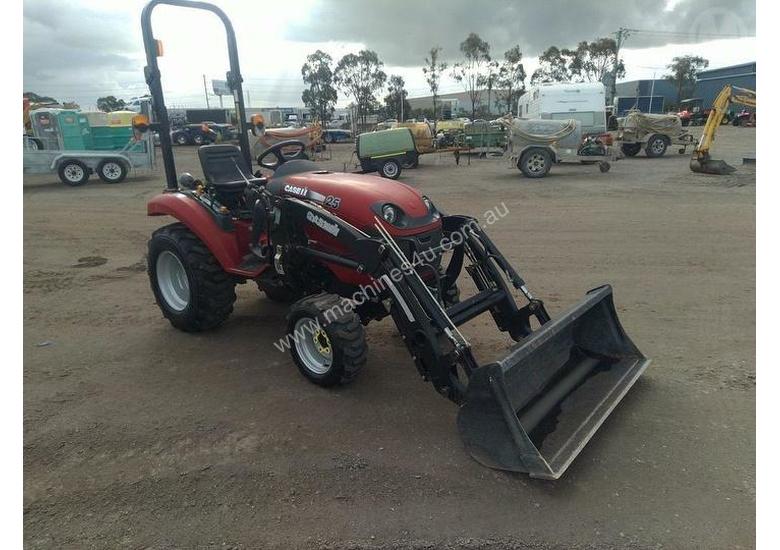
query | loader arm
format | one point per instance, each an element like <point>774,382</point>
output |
<point>701,161</point>
<point>534,409</point>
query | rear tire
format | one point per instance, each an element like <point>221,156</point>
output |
<point>189,285</point>
<point>328,350</point>
<point>73,172</point>
<point>656,146</point>
<point>631,149</point>
<point>535,162</point>
<point>112,171</point>
<point>390,169</point>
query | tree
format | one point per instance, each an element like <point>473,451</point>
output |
<point>555,65</point>
<point>360,76</point>
<point>110,103</point>
<point>491,77</point>
<point>511,77</point>
<point>683,71</point>
<point>43,99</point>
<point>432,71</point>
<point>596,59</point>
<point>471,71</point>
<point>320,97</point>
<point>396,105</point>
<point>589,62</point>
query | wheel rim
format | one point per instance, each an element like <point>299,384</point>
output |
<point>313,346</point>
<point>73,173</point>
<point>535,163</point>
<point>390,169</point>
<point>181,140</point>
<point>658,146</point>
<point>172,281</point>
<point>112,170</point>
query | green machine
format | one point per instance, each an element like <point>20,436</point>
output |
<point>70,130</point>
<point>386,151</point>
<point>485,137</point>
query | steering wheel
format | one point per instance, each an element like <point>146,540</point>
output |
<point>280,156</point>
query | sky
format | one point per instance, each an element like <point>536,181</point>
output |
<point>80,50</point>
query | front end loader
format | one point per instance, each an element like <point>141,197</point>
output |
<point>347,249</point>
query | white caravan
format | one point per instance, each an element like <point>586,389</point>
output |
<point>584,102</point>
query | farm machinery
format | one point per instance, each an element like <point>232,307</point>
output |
<point>347,249</point>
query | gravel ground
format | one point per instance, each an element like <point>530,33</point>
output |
<point>136,435</point>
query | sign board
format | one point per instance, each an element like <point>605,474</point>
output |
<point>220,87</point>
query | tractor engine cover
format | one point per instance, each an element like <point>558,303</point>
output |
<point>358,199</point>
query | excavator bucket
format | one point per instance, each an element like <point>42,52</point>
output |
<point>706,165</point>
<point>535,410</point>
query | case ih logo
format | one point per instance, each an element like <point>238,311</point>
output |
<point>323,224</point>
<point>295,190</point>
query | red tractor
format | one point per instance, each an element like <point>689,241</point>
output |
<point>346,249</point>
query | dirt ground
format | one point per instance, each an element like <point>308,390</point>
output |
<point>136,435</point>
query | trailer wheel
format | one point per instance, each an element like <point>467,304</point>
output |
<point>73,172</point>
<point>189,285</point>
<point>535,162</point>
<point>656,146</point>
<point>390,169</point>
<point>631,149</point>
<point>112,171</point>
<point>327,342</point>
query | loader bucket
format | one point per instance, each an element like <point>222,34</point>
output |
<point>711,166</point>
<point>535,410</point>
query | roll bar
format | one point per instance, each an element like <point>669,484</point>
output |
<point>152,75</point>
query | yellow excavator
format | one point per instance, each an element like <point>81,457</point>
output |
<point>701,161</point>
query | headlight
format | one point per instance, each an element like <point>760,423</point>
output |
<point>389,213</point>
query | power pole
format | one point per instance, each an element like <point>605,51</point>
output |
<point>206,92</point>
<point>620,37</point>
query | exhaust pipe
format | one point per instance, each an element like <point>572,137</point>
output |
<point>535,410</point>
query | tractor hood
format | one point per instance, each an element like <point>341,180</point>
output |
<point>359,198</point>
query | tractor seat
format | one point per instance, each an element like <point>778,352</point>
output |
<point>222,166</point>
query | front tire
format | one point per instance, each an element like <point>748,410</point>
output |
<point>189,285</point>
<point>390,169</point>
<point>73,173</point>
<point>535,162</point>
<point>656,146</point>
<point>328,344</point>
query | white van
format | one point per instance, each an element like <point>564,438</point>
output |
<point>562,101</point>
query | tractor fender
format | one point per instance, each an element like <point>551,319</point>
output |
<point>223,244</point>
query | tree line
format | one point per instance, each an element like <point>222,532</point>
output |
<point>361,77</point>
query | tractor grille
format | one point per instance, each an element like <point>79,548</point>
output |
<point>421,248</point>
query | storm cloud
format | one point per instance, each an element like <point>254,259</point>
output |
<point>403,31</point>
<point>73,53</point>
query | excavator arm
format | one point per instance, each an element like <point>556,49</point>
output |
<point>701,161</point>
